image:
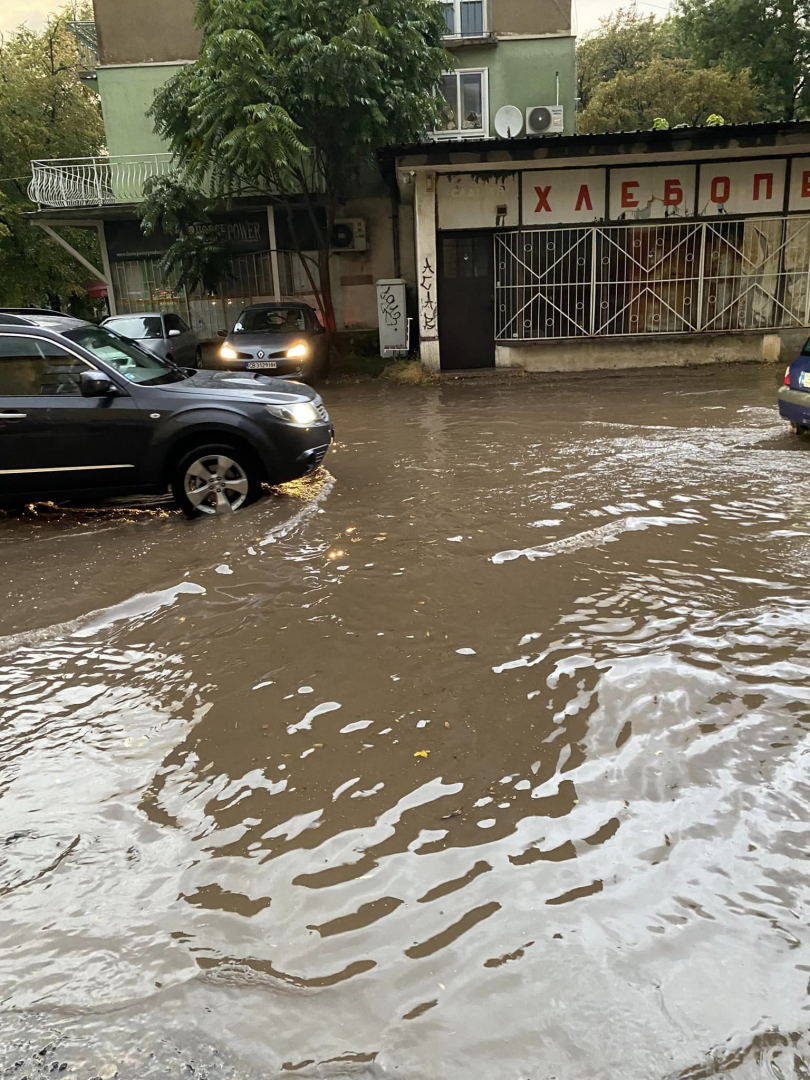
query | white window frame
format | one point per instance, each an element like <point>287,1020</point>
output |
<point>457,19</point>
<point>469,133</point>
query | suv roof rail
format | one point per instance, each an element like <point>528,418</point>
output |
<point>30,311</point>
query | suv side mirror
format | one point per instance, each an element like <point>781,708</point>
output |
<point>96,384</point>
<point>222,333</point>
<point>174,333</point>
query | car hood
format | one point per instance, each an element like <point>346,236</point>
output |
<point>266,340</point>
<point>245,385</point>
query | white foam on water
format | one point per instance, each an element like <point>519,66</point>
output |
<point>358,725</point>
<point>344,787</point>
<point>590,538</point>
<point>102,619</point>
<point>319,710</point>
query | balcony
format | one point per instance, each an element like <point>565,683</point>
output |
<point>84,34</point>
<point>467,22</point>
<point>75,183</point>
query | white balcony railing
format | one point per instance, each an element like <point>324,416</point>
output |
<point>98,181</point>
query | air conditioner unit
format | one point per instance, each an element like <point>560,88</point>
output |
<point>349,234</point>
<point>544,120</point>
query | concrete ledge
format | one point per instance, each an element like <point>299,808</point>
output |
<point>594,354</point>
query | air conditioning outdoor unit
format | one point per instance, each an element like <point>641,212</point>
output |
<point>544,120</point>
<point>349,234</point>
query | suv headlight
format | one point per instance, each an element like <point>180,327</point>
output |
<point>303,413</point>
<point>297,352</point>
<point>227,353</point>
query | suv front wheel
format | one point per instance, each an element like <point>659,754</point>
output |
<point>216,479</point>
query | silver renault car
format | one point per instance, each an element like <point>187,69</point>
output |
<point>284,339</point>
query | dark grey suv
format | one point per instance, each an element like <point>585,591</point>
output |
<point>86,413</point>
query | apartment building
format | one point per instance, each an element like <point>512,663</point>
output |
<point>517,53</point>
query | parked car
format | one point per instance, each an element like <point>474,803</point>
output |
<point>84,412</point>
<point>794,396</point>
<point>285,338</point>
<point>159,332</point>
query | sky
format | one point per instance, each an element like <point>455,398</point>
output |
<point>587,13</point>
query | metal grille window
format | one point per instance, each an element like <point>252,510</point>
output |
<point>679,278</point>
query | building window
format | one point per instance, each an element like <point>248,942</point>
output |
<point>464,18</point>
<point>466,111</point>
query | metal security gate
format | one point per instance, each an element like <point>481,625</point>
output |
<point>682,278</point>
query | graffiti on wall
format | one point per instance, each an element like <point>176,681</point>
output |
<point>427,298</point>
<point>390,308</point>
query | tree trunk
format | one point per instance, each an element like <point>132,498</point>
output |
<point>330,322</point>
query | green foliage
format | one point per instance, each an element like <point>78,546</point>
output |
<point>771,39</point>
<point>715,120</point>
<point>660,124</point>
<point>625,42</point>
<point>292,99</point>
<point>198,256</point>
<point>635,99</point>
<point>45,112</point>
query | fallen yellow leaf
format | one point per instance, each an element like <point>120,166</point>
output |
<point>421,753</point>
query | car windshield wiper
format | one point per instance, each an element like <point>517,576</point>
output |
<point>178,375</point>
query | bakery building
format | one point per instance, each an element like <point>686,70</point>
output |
<point>581,252</point>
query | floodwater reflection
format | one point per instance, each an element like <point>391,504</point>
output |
<point>484,753</point>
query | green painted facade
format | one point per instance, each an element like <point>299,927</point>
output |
<point>522,72</point>
<point>126,94</point>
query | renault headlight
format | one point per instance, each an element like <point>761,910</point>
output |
<point>303,413</point>
<point>297,352</point>
<point>227,353</point>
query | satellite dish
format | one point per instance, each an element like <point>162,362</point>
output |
<point>509,122</point>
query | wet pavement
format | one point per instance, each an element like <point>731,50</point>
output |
<point>482,754</point>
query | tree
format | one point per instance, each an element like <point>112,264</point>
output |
<point>45,112</point>
<point>770,38</point>
<point>624,42</point>
<point>198,256</point>
<point>670,89</point>
<point>292,99</point>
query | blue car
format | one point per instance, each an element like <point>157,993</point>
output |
<point>794,396</point>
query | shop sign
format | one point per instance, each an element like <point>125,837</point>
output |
<point>553,196</point>
<point>661,191</point>
<point>742,187</point>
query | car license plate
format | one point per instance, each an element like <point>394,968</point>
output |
<point>261,365</point>
<point>804,379</point>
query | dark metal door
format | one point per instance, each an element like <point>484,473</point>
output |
<point>466,301</point>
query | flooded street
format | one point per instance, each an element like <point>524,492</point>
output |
<point>484,754</point>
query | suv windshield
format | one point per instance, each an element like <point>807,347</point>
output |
<point>271,321</point>
<point>127,359</point>
<point>138,326</point>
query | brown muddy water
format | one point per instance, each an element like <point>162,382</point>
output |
<point>484,754</point>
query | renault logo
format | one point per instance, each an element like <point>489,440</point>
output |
<point>260,354</point>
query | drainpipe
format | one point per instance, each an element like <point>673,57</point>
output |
<point>558,86</point>
<point>395,225</point>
